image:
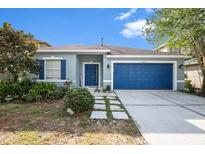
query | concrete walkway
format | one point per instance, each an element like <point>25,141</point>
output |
<point>166,117</point>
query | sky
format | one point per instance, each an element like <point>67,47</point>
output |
<point>81,26</point>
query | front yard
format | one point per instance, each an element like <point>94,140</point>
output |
<point>45,123</point>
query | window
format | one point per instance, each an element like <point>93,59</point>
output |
<point>53,69</point>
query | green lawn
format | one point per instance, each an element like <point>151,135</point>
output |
<point>46,123</point>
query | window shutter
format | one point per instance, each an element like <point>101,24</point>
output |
<point>63,69</point>
<point>41,72</point>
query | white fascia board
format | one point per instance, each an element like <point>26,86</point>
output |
<point>146,56</point>
<point>52,58</point>
<point>78,51</point>
<point>157,48</point>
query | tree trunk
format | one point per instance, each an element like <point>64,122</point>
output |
<point>201,60</point>
<point>203,75</point>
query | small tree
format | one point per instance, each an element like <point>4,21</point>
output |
<point>179,28</point>
<point>17,51</point>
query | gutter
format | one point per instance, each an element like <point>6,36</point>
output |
<point>75,51</point>
<point>147,56</point>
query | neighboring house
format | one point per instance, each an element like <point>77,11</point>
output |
<point>3,76</point>
<point>193,72</point>
<point>42,44</point>
<point>115,66</point>
<point>165,48</point>
<point>192,69</point>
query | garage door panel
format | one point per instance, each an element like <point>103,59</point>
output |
<point>143,76</point>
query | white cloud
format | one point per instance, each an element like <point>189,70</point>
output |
<point>149,10</point>
<point>125,15</point>
<point>133,29</point>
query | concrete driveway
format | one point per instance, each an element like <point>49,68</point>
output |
<point>166,117</point>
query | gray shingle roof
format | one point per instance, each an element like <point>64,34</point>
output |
<point>114,50</point>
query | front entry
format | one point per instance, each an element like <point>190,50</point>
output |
<point>91,74</point>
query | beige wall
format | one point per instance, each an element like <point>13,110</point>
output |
<point>194,74</point>
<point>3,76</point>
<point>164,49</point>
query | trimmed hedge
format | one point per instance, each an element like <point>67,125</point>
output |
<point>78,99</point>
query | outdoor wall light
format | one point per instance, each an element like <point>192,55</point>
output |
<point>108,66</point>
<point>181,66</point>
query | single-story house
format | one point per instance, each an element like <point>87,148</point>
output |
<point>193,72</point>
<point>114,66</point>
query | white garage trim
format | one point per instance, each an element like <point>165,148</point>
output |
<point>140,61</point>
<point>180,80</point>
<point>107,81</point>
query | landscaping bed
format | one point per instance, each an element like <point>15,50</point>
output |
<point>46,123</point>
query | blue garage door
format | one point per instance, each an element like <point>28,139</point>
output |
<point>143,76</point>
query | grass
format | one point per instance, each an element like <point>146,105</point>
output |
<point>108,110</point>
<point>46,123</point>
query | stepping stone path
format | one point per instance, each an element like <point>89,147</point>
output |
<point>99,102</point>
<point>99,97</point>
<point>117,111</point>
<point>99,107</point>
<point>120,115</point>
<point>98,115</point>
<point>116,108</point>
<point>115,102</point>
<point>111,98</point>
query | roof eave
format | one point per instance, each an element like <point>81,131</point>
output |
<point>147,56</point>
<point>159,47</point>
<point>73,51</point>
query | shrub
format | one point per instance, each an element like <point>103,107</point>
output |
<point>5,90</point>
<point>108,88</point>
<point>14,90</point>
<point>188,86</point>
<point>78,99</point>
<point>21,88</point>
<point>42,91</point>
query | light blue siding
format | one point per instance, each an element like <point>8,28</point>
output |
<point>70,64</point>
<point>74,66</point>
<point>88,59</point>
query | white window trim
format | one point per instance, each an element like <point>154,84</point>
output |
<point>99,72</point>
<point>160,62</point>
<point>45,71</point>
<point>50,80</point>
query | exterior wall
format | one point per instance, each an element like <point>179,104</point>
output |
<point>74,67</point>
<point>164,49</point>
<point>88,59</point>
<point>108,61</point>
<point>194,73</point>
<point>3,76</point>
<point>70,64</point>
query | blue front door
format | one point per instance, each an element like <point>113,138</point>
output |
<point>91,74</point>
